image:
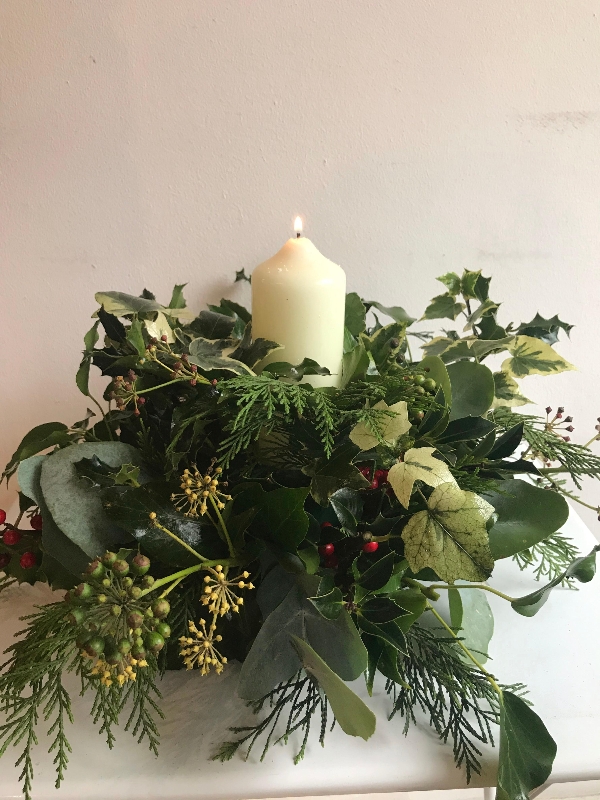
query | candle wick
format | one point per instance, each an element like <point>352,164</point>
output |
<point>298,234</point>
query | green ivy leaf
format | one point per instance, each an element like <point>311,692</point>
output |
<point>135,337</point>
<point>527,750</point>
<point>506,392</point>
<point>82,378</point>
<point>212,325</point>
<point>230,308</point>
<point>209,355</point>
<point>472,389</point>
<point>582,568</point>
<point>177,298</point>
<point>351,714</point>
<point>250,351</point>
<point>281,518</point>
<point>272,658</point>
<point>525,515</point>
<point>531,356</point>
<point>294,372</point>
<point>355,314</point>
<point>443,306</point>
<point>330,474</point>
<point>468,282</point>
<point>39,438</point>
<point>471,616</point>
<point>450,537</point>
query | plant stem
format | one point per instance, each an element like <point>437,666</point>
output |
<point>178,576</point>
<point>171,587</point>
<point>223,526</point>
<point>169,383</point>
<point>473,586</point>
<point>93,399</point>
<point>466,651</point>
<point>178,540</point>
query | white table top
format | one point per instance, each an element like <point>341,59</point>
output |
<point>564,688</point>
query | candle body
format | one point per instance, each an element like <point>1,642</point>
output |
<point>298,301</point>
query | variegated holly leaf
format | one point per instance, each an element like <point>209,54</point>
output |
<point>531,356</point>
<point>390,426</point>
<point>507,392</point>
<point>418,465</point>
<point>450,537</point>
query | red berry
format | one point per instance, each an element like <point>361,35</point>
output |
<point>11,537</point>
<point>370,547</point>
<point>331,562</point>
<point>2,516</point>
<point>141,401</point>
<point>164,338</point>
<point>381,475</point>
<point>326,525</point>
<point>4,560</point>
<point>326,549</point>
<point>27,560</point>
<point>374,484</point>
<point>36,522</point>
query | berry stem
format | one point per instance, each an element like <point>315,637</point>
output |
<point>177,576</point>
<point>157,524</point>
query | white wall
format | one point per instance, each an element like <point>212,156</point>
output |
<point>148,142</point>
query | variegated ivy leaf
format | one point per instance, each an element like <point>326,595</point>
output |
<point>391,426</point>
<point>507,392</point>
<point>208,354</point>
<point>450,537</point>
<point>443,306</point>
<point>418,465</point>
<point>531,356</point>
<point>160,327</point>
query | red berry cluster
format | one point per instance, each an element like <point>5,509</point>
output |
<point>12,536</point>
<point>377,478</point>
<point>327,551</point>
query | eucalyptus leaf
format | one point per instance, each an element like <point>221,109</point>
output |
<point>39,438</point>
<point>351,714</point>
<point>471,616</point>
<point>527,750</point>
<point>75,506</point>
<point>83,373</point>
<point>272,658</point>
<point>472,389</point>
<point>437,370</point>
<point>397,313</point>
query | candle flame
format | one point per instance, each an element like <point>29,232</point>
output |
<point>298,226</point>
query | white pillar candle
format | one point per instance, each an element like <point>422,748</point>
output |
<point>298,301</point>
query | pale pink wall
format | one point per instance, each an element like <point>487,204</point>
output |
<point>145,142</point>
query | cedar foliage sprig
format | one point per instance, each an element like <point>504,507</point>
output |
<point>302,697</point>
<point>549,558</point>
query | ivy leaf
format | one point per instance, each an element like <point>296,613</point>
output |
<point>230,308</point>
<point>39,438</point>
<point>418,465</point>
<point>397,313</point>
<point>212,325</point>
<point>121,305</point>
<point>391,426</point>
<point>470,613</point>
<point>443,306</point>
<point>272,658</point>
<point>355,314</point>
<point>281,518</point>
<point>472,389</point>
<point>82,378</point>
<point>159,327</point>
<point>351,714</point>
<point>451,281</point>
<point>545,329</point>
<point>531,356</point>
<point>582,568</point>
<point>330,474</point>
<point>527,750</point>
<point>135,337</point>
<point>488,306</point>
<point>209,355</point>
<point>506,392</point>
<point>450,537</point>
<point>250,351</point>
<point>468,282</point>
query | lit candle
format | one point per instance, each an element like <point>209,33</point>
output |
<point>298,301</point>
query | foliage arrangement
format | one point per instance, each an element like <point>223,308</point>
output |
<point>208,514</point>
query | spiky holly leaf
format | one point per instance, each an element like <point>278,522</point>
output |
<point>390,426</point>
<point>418,465</point>
<point>451,281</point>
<point>545,329</point>
<point>450,537</point>
<point>531,356</point>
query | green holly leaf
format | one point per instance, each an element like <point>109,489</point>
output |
<point>177,298</point>
<point>329,605</point>
<point>351,714</point>
<point>418,465</point>
<point>507,392</point>
<point>391,426</point>
<point>487,307</point>
<point>527,750</point>
<point>545,329</point>
<point>451,281</point>
<point>330,474</point>
<point>531,356</point>
<point>450,537</point>
<point>443,306</point>
<point>240,275</point>
<point>468,282</point>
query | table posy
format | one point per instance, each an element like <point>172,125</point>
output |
<point>345,514</point>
